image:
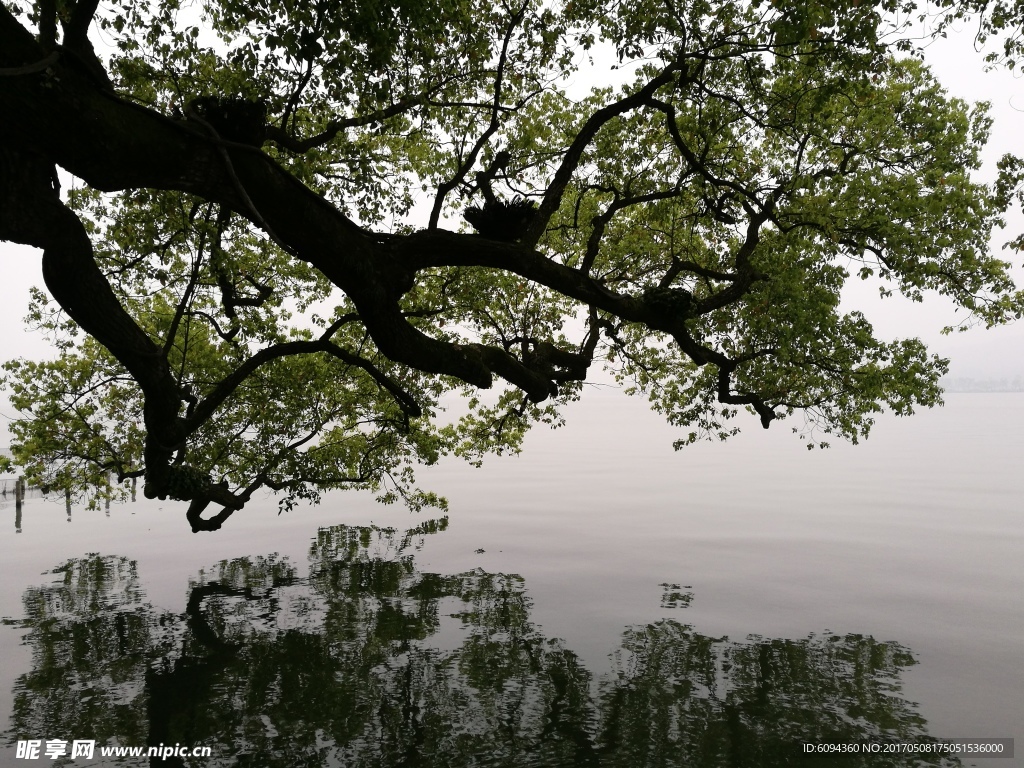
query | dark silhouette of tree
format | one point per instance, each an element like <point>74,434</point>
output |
<point>243,300</point>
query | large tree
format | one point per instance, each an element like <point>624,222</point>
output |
<point>263,272</point>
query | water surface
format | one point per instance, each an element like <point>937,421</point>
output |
<point>716,604</point>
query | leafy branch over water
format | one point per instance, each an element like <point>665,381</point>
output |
<point>244,297</point>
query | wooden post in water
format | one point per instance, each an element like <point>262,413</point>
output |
<point>67,502</point>
<point>134,479</point>
<point>19,499</point>
<point>106,505</point>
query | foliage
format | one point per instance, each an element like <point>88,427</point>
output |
<point>297,315</point>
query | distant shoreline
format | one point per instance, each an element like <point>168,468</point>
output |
<point>975,386</point>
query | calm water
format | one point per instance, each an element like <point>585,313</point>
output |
<point>600,600</point>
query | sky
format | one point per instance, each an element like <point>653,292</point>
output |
<point>979,353</point>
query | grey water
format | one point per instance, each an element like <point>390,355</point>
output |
<point>715,605</point>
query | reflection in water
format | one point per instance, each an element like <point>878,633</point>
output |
<point>367,662</point>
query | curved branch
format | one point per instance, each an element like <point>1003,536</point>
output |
<point>28,69</point>
<point>556,189</point>
<point>32,213</point>
<point>601,221</point>
<point>492,127</point>
<point>726,396</point>
<point>300,146</point>
<point>205,409</point>
<point>196,507</point>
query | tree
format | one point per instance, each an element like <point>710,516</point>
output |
<point>242,299</point>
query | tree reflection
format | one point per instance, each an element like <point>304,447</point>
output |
<point>367,662</point>
<point>92,637</point>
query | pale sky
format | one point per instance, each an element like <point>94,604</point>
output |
<point>978,353</point>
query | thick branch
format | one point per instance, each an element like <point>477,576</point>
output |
<point>32,213</point>
<point>113,145</point>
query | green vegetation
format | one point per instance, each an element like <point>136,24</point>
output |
<point>261,276</point>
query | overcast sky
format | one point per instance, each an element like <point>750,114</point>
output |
<point>978,353</point>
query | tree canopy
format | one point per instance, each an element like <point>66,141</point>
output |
<point>294,228</point>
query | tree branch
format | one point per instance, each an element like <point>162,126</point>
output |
<point>571,160</point>
<point>32,213</point>
<point>492,127</point>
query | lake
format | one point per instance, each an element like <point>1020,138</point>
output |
<point>599,600</point>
